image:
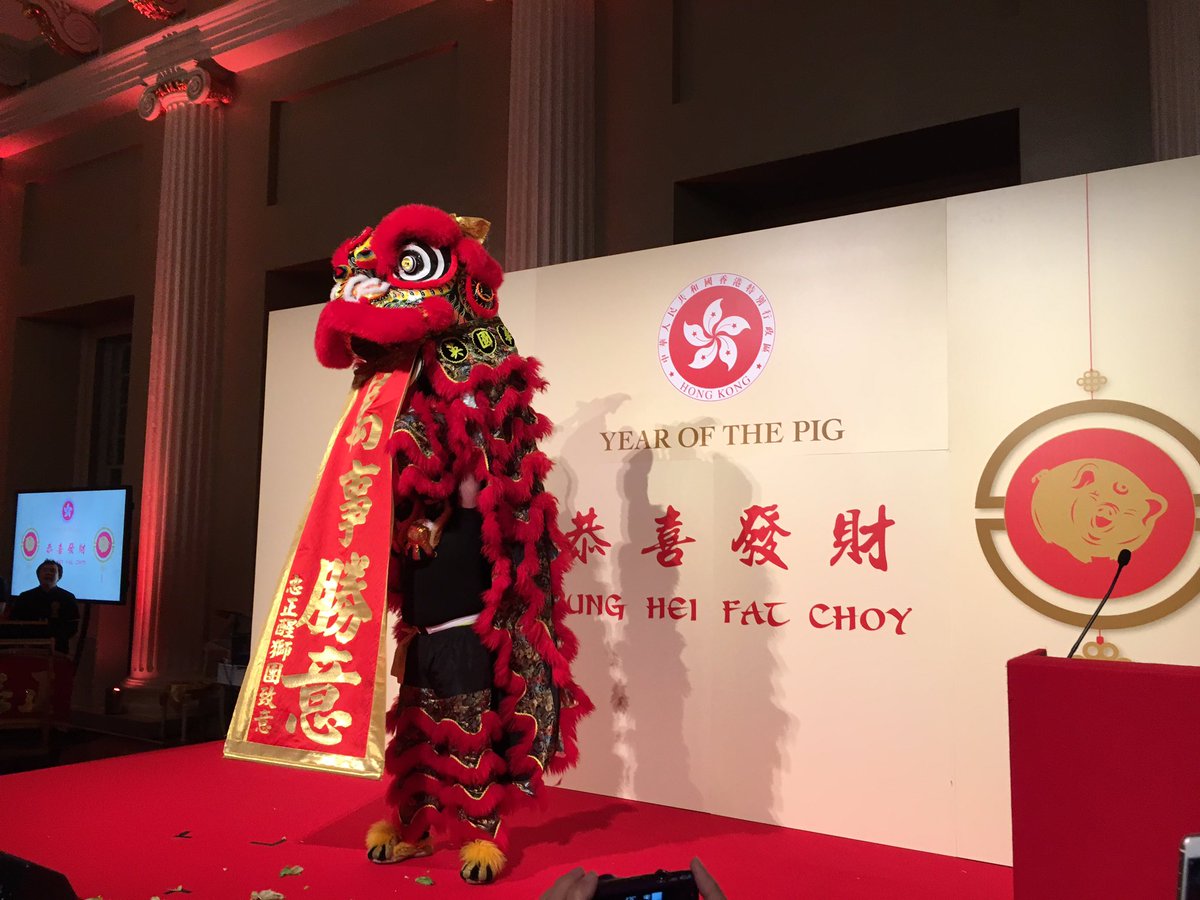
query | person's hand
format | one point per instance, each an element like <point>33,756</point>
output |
<point>575,885</point>
<point>709,889</point>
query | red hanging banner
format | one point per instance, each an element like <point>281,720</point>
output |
<point>314,695</point>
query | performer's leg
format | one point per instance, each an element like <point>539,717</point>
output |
<point>458,672</point>
<point>402,836</point>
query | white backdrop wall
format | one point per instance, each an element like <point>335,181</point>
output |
<point>917,338</point>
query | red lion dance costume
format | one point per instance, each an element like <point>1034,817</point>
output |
<point>487,702</point>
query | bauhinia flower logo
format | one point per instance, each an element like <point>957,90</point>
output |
<point>723,317</point>
<point>715,337</point>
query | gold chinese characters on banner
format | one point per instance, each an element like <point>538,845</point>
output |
<point>314,694</point>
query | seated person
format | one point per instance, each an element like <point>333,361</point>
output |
<point>48,602</point>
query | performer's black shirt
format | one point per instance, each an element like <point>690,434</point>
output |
<point>451,584</point>
<point>57,606</point>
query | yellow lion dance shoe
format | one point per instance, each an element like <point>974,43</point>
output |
<point>385,846</point>
<point>482,861</point>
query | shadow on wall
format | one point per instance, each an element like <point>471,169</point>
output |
<point>594,667</point>
<point>650,699</point>
<point>643,737</point>
<point>751,728</point>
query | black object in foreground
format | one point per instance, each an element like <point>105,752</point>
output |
<point>659,886</point>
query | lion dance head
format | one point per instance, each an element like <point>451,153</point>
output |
<point>419,272</point>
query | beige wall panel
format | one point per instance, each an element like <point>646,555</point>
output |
<point>860,311</point>
<point>859,306</point>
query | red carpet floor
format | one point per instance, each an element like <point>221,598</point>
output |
<point>113,827</point>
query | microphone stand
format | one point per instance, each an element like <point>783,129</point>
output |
<point>1122,560</point>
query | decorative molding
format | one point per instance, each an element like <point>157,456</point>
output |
<point>35,115</point>
<point>66,29</point>
<point>202,82</point>
<point>159,10</point>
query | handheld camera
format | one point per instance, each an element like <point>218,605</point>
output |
<point>1189,868</point>
<point>658,886</point>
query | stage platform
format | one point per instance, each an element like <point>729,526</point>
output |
<point>138,826</point>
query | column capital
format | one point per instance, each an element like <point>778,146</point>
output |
<point>239,33</point>
<point>202,82</point>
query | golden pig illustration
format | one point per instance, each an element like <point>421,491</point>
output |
<point>1094,508</point>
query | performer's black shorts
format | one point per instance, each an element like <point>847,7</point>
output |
<point>438,589</point>
<point>449,662</point>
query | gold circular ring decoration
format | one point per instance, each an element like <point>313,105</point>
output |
<point>1078,498</point>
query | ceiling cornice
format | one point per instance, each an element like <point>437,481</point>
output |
<point>67,29</point>
<point>111,84</point>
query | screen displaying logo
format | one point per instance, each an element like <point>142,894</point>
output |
<point>68,511</point>
<point>1077,497</point>
<point>716,337</point>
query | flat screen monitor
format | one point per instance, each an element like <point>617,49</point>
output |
<point>84,529</point>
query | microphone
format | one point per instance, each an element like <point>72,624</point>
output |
<point>1122,561</point>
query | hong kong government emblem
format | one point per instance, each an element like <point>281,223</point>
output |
<point>716,337</point>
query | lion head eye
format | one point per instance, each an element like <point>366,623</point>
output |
<point>1120,488</point>
<point>421,262</point>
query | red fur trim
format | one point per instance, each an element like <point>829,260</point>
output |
<point>525,433</point>
<point>568,721</point>
<point>500,800</point>
<point>445,733</point>
<point>451,797</point>
<point>424,756</point>
<point>401,443</point>
<point>341,256</point>
<point>402,795</point>
<point>479,263</point>
<point>481,376</point>
<point>340,319</point>
<point>406,223</point>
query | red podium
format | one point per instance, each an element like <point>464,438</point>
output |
<point>1105,766</point>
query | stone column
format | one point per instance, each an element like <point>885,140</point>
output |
<point>551,134</point>
<point>172,585</point>
<point>1175,77</point>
